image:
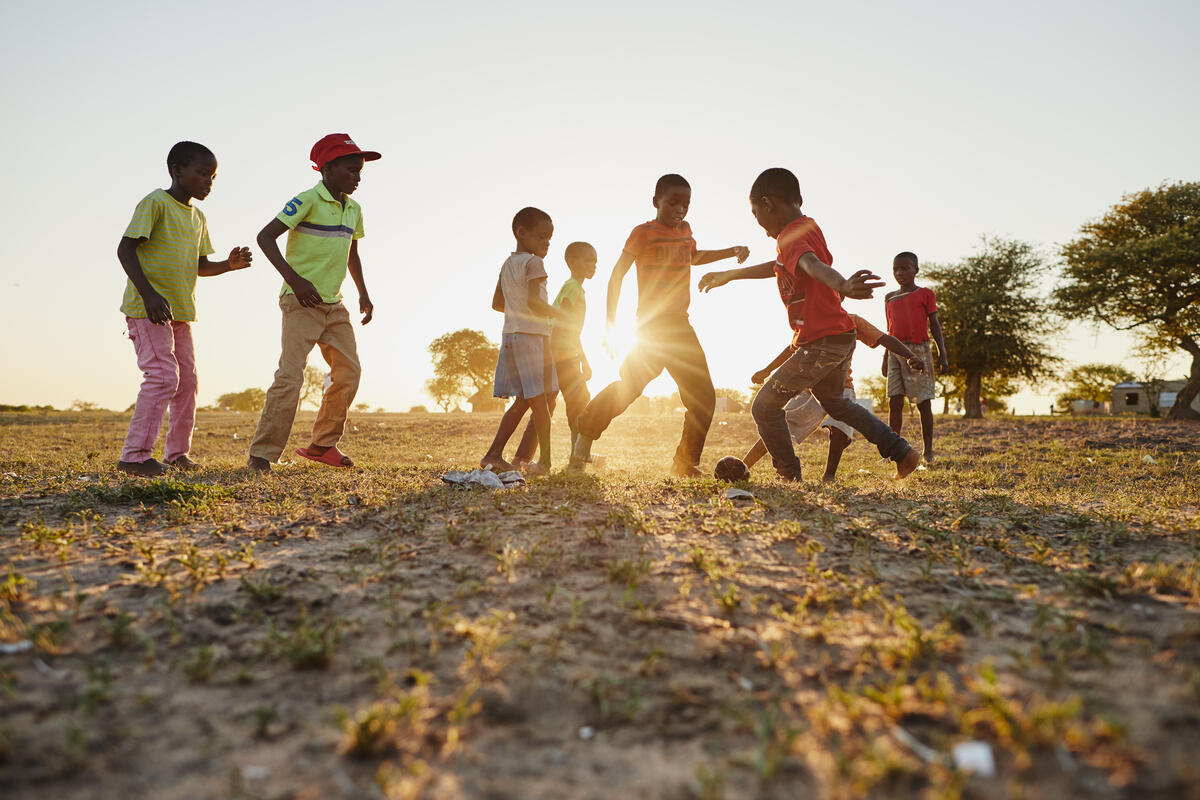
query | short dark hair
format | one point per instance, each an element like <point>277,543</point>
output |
<point>668,182</point>
<point>779,183</point>
<point>575,250</point>
<point>184,153</point>
<point>906,254</point>
<point>528,217</point>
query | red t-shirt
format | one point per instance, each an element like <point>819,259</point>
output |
<point>664,268</point>
<point>908,314</point>
<point>814,310</point>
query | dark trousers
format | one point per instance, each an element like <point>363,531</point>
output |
<point>575,395</point>
<point>820,365</point>
<point>667,343</point>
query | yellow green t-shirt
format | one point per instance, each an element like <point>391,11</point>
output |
<point>319,236</point>
<point>176,235</point>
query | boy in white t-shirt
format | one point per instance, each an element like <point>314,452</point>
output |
<point>525,369</point>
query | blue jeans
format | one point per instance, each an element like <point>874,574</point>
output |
<point>820,365</point>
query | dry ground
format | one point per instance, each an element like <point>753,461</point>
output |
<point>320,633</point>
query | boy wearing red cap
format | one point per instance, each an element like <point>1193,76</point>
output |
<point>324,225</point>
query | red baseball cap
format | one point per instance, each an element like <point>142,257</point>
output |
<point>336,145</point>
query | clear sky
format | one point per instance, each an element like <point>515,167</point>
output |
<point>912,126</point>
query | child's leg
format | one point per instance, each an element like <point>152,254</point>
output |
<point>154,346</point>
<point>830,392</point>
<point>529,441</point>
<point>540,413</point>
<point>574,391</point>
<point>838,442</point>
<point>340,351</point>
<point>494,457</point>
<point>896,413</point>
<point>925,407</point>
<point>689,367</point>
<point>756,451</point>
<point>182,420</point>
<point>642,365</point>
<point>301,329</point>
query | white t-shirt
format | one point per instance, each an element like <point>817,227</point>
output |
<point>515,276</point>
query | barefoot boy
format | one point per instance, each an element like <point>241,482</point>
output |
<point>525,368</point>
<point>162,251</point>
<point>812,292</point>
<point>911,317</point>
<point>324,225</point>
<point>665,253</point>
<point>570,362</point>
<point>804,414</point>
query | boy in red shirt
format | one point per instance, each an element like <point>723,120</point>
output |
<point>665,253</point>
<point>911,317</point>
<point>812,291</point>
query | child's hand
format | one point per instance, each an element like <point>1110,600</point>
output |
<point>366,307</point>
<point>861,285</point>
<point>741,253</point>
<point>712,280</point>
<point>760,376</point>
<point>916,365</point>
<point>158,310</point>
<point>306,293</point>
<point>240,258</point>
<point>942,364</point>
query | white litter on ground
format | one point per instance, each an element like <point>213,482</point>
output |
<point>485,478</point>
<point>975,757</point>
<point>733,493</point>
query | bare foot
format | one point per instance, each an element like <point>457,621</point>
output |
<point>258,464</point>
<point>535,468</point>
<point>497,464</point>
<point>522,463</point>
<point>827,478</point>
<point>905,466</point>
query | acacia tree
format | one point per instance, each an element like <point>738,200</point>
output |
<point>1137,268</point>
<point>464,363</point>
<point>1091,382</point>
<point>995,323</point>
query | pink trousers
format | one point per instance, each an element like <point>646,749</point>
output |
<point>168,364</point>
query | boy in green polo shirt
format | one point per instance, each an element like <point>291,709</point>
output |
<point>324,226</point>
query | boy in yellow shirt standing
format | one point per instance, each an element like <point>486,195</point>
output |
<point>324,225</point>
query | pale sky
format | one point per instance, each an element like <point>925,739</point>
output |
<point>911,126</point>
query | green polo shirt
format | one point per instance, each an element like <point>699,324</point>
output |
<point>319,236</point>
<point>175,237</point>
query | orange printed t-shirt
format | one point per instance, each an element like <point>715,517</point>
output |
<point>866,333</point>
<point>908,314</point>
<point>664,268</point>
<point>814,310</point>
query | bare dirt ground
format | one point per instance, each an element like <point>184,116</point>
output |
<point>319,633</point>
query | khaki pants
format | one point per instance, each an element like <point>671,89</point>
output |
<point>328,326</point>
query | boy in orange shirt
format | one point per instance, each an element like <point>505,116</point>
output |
<point>911,318</point>
<point>665,253</point>
<point>812,291</point>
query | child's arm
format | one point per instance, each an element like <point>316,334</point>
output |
<point>306,293</point>
<point>708,256</point>
<point>158,310</point>
<point>712,280</point>
<point>239,258</point>
<point>354,266</point>
<point>935,330</point>
<point>859,286</point>
<point>764,373</point>
<point>619,271</point>
<point>498,298</point>
<point>539,306</point>
<point>901,349</point>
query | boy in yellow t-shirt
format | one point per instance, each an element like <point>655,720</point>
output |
<point>162,251</point>
<point>324,225</point>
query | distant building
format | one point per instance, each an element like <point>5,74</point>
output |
<point>1090,407</point>
<point>1131,397</point>
<point>727,405</point>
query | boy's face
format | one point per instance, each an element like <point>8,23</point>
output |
<point>766,212</point>
<point>196,178</point>
<point>342,175</point>
<point>905,271</point>
<point>535,240</point>
<point>583,265</point>
<point>673,205</point>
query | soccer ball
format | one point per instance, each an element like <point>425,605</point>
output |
<point>731,469</point>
